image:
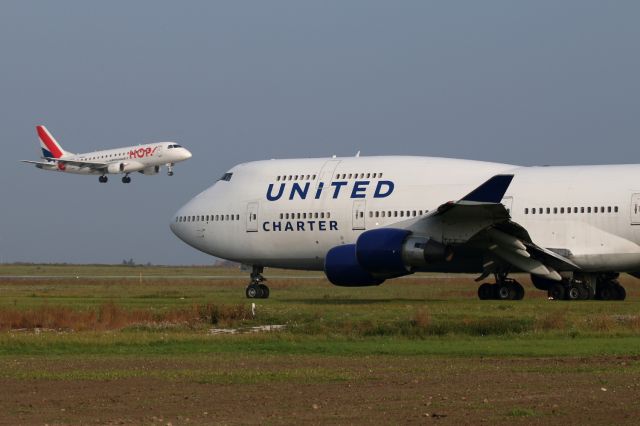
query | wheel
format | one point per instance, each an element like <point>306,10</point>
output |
<point>103,179</point>
<point>253,291</point>
<point>264,290</point>
<point>170,173</point>
<point>607,292</point>
<point>584,292</point>
<point>505,291</point>
<point>621,293</point>
<point>557,291</point>
<point>573,292</point>
<point>518,290</point>
<point>485,291</point>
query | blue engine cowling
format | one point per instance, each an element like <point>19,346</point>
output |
<point>342,268</point>
<point>379,251</point>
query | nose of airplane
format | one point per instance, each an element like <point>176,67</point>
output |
<point>187,154</point>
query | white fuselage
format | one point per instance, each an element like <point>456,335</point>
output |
<point>289,213</point>
<point>124,160</point>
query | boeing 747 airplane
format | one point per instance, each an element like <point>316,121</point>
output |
<point>145,159</point>
<point>364,220</point>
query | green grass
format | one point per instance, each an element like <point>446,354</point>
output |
<point>420,316</point>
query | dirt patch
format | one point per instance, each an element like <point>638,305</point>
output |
<point>319,390</point>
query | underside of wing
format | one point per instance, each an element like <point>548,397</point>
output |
<point>83,164</point>
<point>481,222</point>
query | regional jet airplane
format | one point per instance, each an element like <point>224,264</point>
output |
<point>364,220</point>
<point>145,159</point>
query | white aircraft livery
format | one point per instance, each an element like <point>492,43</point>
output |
<point>145,159</point>
<point>364,220</point>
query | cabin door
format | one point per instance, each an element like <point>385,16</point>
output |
<point>635,209</point>
<point>508,203</point>
<point>252,217</point>
<point>358,213</point>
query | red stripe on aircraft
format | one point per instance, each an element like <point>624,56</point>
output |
<point>51,145</point>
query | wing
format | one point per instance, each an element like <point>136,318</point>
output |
<point>480,221</point>
<point>55,161</point>
<point>87,164</point>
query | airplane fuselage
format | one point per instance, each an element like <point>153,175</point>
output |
<point>290,213</point>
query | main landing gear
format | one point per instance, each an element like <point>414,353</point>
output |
<point>503,289</point>
<point>257,289</point>
<point>170,169</point>
<point>103,179</point>
<point>126,179</point>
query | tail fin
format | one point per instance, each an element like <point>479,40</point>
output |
<point>50,147</point>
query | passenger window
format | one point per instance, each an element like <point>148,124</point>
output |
<point>321,215</point>
<point>609,209</point>
<point>615,209</point>
<point>588,209</point>
<point>533,210</point>
<point>561,209</point>
<point>328,215</point>
<point>602,209</point>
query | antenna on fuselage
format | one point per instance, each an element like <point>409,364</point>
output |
<point>357,154</point>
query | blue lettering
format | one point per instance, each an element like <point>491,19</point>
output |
<point>333,225</point>
<point>277,226</point>
<point>322,225</point>
<point>338,185</point>
<point>300,225</point>
<point>381,184</point>
<point>296,188</point>
<point>319,190</point>
<point>310,222</point>
<point>359,188</point>
<point>270,196</point>
<point>288,226</point>
<point>265,226</point>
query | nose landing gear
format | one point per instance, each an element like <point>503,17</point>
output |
<point>257,289</point>
<point>170,169</point>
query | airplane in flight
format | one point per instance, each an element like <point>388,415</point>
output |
<point>145,159</point>
<point>364,220</point>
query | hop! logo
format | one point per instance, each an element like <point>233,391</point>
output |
<point>142,152</point>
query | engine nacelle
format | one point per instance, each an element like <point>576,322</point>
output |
<point>342,268</point>
<point>397,252</point>
<point>125,167</point>
<point>380,254</point>
<point>150,170</point>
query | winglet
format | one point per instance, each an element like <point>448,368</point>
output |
<point>491,191</point>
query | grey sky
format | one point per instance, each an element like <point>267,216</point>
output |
<point>538,82</point>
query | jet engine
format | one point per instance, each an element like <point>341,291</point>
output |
<point>381,254</point>
<point>125,167</point>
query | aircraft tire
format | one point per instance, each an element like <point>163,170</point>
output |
<point>264,290</point>
<point>518,290</point>
<point>607,292</point>
<point>486,292</point>
<point>505,291</point>
<point>585,293</point>
<point>572,292</point>
<point>557,291</point>
<point>253,291</point>
<point>621,293</point>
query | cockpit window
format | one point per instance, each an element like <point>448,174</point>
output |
<point>175,145</point>
<point>226,177</point>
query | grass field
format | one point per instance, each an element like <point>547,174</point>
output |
<point>409,351</point>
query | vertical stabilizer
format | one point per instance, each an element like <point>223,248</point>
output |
<point>50,147</point>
